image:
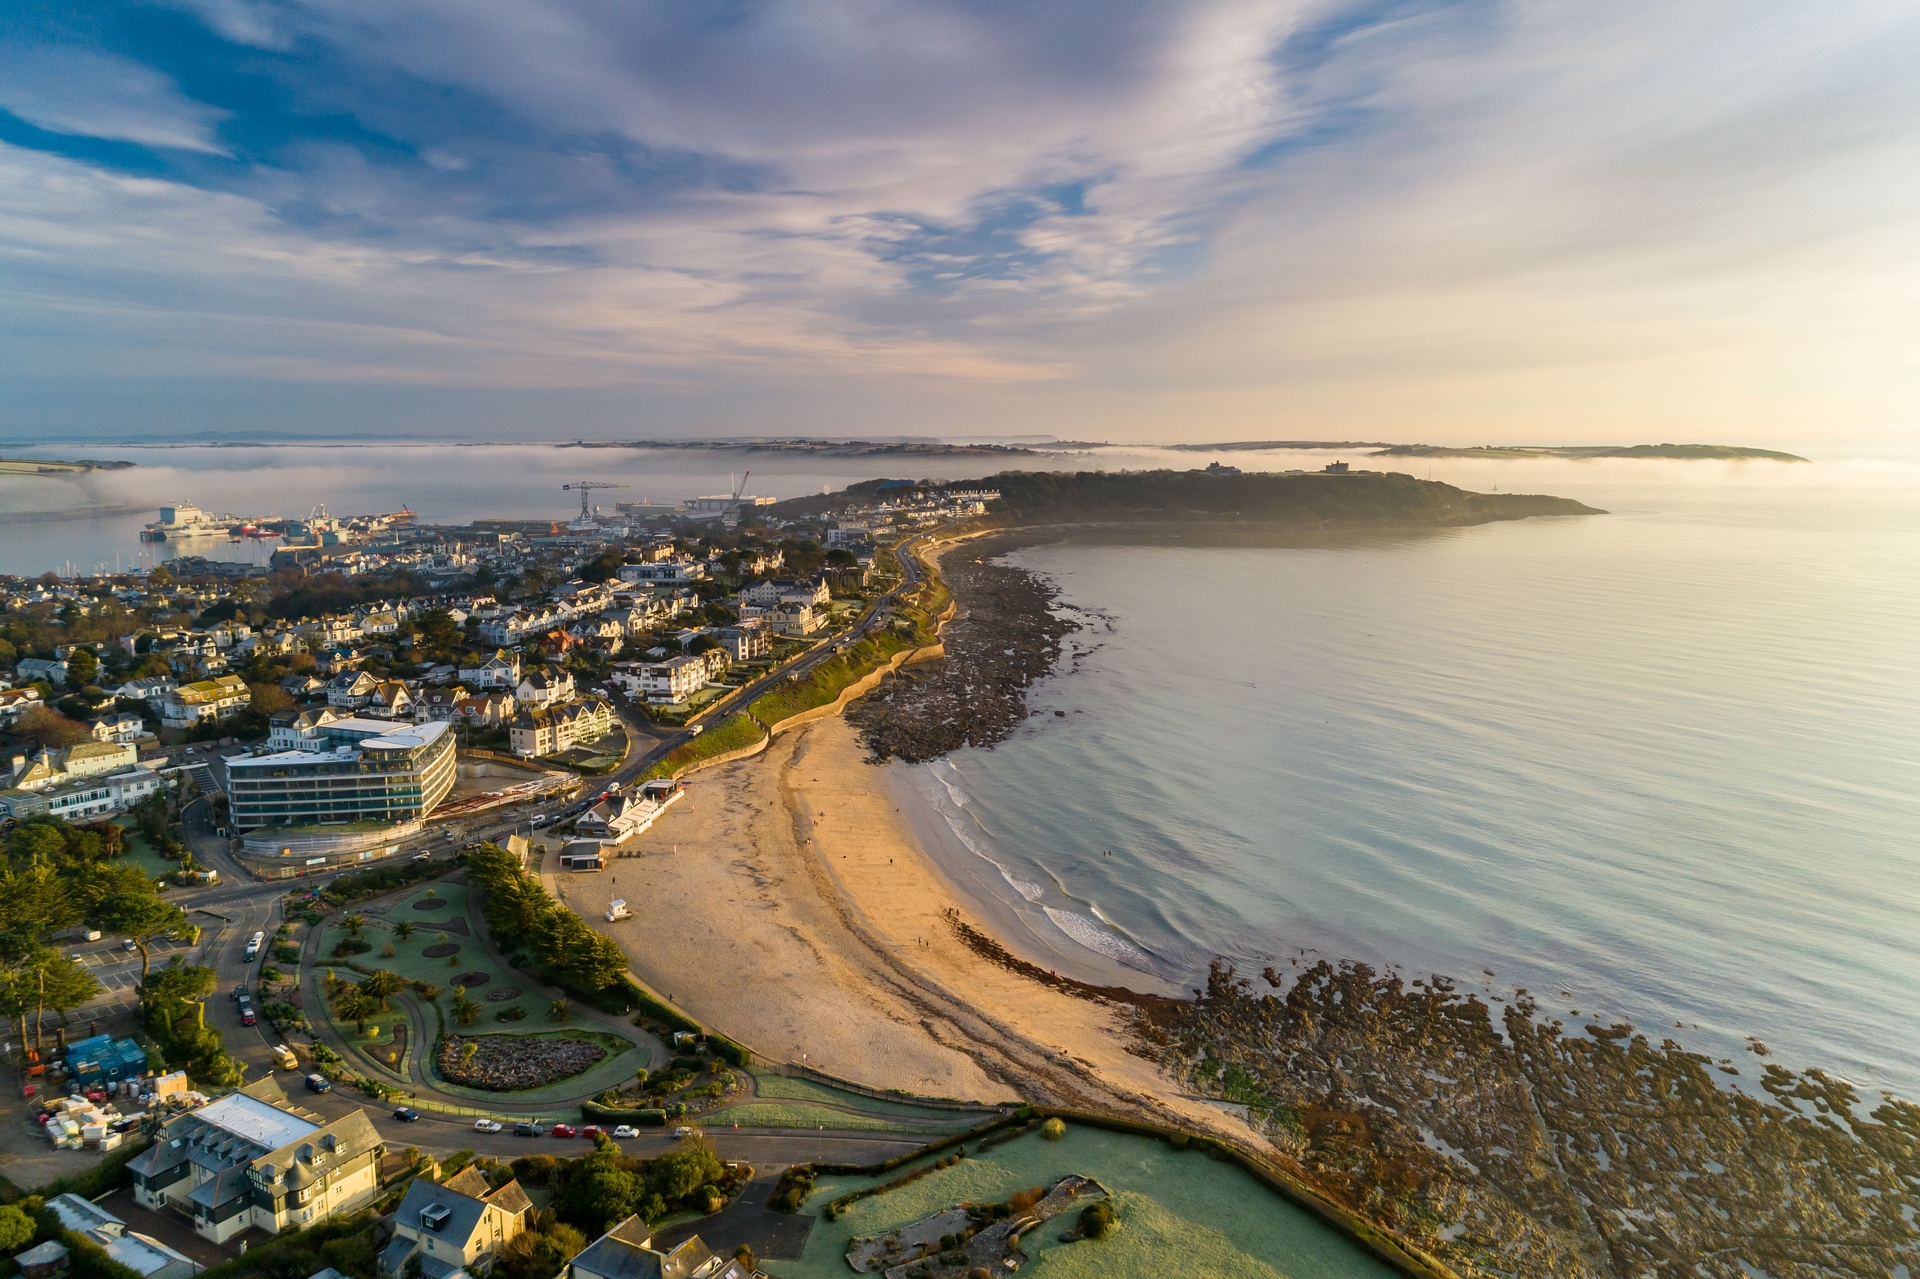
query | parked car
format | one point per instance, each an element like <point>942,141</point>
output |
<point>529,1128</point>
<point>591,1131</point>
<point>407,1115</point>
<point>247,1016</point>
<point>284,1058</point>
<point>486,1125</point>
<point>253,946</point>
<point>626,1130</point>
<point>128,944</point>
<point>319,1083</point>
<point>682,1132</point>
<point>563,1130</point>
<point>423,857</point>
<point>240,993</point>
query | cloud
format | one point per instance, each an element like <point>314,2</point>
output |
<point>1118,218</point>
<point>98,95</point>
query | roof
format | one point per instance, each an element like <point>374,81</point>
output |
<point>622,1253</point>
<point>223,1187</point>
<point>50,1251</point>
<point>79,1214</point>
<point>263,1124</point>
<point>147,1255</point>
<point>459,1228</point>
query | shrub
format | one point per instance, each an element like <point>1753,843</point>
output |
<point>1097,1219</point>
<point>351,946</point>
<point>515,1013</point>
<point>728,1051</point>
<point>1054,1129</point>
<point>387,951</point>
<point>286,953</point>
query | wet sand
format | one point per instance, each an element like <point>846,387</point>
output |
<point>800,916</point>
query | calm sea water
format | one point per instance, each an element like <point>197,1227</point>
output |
<point>1661,765</point>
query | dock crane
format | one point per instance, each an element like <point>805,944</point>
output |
<point>585,489</point>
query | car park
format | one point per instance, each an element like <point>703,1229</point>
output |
<point>407,1115</point>
<point>486,1125</point>
<point>529,1128</point>
<point>563,1130</point>
<point>626,1130</point>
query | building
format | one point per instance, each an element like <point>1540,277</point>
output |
<point>669,573</point>
<point>620,817</point>
<point>351,690</point>
<point>502,670</point>
<point>123,726</point>
<point>459,1224</point>
<point>550,730</point>
<point>15,701</point>
<point>544,688</point>
<point>250,1160</point>
<point>150,689</point>
<point>142,1254</point>
<point>583,855</point>
<point>29,669</point>
<point>390,700</point>
<point>793,619</point>
<point>746,642</point>
<point>627,1252</point>
<point>97,759</point>
<point>671,681</point>
<point>492,710</point>
<point>208,700</point>
<point>293,730</point>
<point>89,779</point>
<point>362,770</point>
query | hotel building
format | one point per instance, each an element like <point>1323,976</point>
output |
<point>357,770</point>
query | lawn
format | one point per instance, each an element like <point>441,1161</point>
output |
<point>800,1114</point>
<point>441,927</point>
<point>736,732</point>
<point>145,855</point>
<point>825,682</point>
<point>1181,1214</point>
<point>782,1088</point>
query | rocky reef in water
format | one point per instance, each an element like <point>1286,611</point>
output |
<point>1594,1152</point>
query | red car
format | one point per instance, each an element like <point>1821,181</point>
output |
<point>590,1131</point>
<point>563,1130</point>
<point>246,1016</point>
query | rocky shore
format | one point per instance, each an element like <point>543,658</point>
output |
<point>1006,635</point>
<point>1590,1151</point>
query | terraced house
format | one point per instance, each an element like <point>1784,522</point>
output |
<point>552,729</point>
<point>252,1160</point>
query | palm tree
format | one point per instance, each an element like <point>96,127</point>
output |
<point>381,985</point>
<point>403,929</point>
<point>558,1010</point>
<point>355,923</point>
<point>353,1005</point>
<point>465,1010</point>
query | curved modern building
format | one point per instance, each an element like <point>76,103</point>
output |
<point>366,771</point>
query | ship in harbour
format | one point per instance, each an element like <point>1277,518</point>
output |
<point>183,521</point>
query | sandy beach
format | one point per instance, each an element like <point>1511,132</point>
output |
<point>786,903</point>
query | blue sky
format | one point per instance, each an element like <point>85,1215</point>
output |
<point>1133,221</point>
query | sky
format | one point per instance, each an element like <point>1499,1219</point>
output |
<point>1131,220</point>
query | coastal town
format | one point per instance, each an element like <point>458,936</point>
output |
<point>521,899</point>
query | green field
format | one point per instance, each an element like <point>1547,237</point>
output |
<point>825,682</point>
<point>736,732</point>
<point>782,1088</point>
<point>1182,1215</point>
<point>800,1114</point>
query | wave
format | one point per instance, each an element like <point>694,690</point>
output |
<point>1090,934</point>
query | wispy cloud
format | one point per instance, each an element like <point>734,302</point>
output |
<point>1123,218</point>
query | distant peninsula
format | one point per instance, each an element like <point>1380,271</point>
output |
<point>1576,452</point>
<point>41,466</point>
<point>1298,500</point>
<point>840,447</point>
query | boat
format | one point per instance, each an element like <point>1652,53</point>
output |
<point>181,521</point>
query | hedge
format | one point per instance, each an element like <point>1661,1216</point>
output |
<point>726,1050</point>
<point>652,1009</point>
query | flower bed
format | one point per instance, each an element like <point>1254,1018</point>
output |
<point>509,1063</point>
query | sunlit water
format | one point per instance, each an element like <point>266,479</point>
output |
<point>1659,765</point>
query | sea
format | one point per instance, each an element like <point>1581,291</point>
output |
<point>1660,765</point>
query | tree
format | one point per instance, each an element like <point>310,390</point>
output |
<point>466,1009</point>
<point>16,1229</point>
<point>352,1004</point>
<point>677,1174</point>
<point>42,727</point>
<point>33,902</point>
<point>403,929</point>
<point>355,923</point>
<point>47,979</point>
<point>170,991</point>
<point>270,699</point>
<point>598,1193</point>
<point>439,635</point>
<point>83,668</point>
<point>143,917</point>
<point>381,985</point>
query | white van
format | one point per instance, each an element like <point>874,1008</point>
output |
<point>253,945</point>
